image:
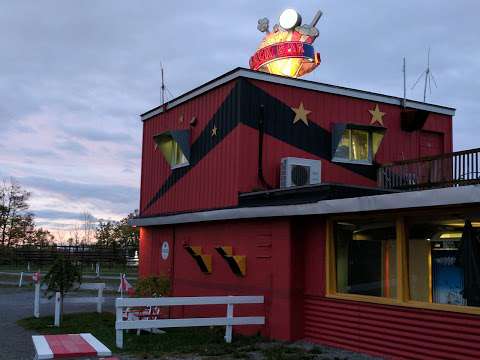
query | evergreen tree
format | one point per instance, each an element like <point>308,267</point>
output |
<point>62,277</point>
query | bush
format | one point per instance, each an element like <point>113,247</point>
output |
<point>153,286</point>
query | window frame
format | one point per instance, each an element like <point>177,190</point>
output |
<point>369,161</point>
<point>176,146</point>
<point>175,137</point>
<point>370,130</point>
<point>403,286</point>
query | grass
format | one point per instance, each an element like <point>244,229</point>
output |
<point>205,342</point>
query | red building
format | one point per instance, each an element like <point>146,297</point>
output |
<point>347,209</point>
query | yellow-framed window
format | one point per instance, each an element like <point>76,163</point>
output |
<point>416,260</point>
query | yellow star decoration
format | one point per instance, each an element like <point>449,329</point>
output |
<point>301,114</point>
<point>377,115</point>
<point>214,130</point>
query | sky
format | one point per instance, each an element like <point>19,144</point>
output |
<point>75,75</point>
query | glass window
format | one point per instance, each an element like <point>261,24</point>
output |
<point>365,253</point>
<point>343,148</point>
<point>444,260</point>
<point>360,145</point>
<point>357,145</point>
<point>171,151</point>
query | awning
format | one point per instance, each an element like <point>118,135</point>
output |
<point>406,200</point>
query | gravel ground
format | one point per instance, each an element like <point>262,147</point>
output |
<point>16,342</point>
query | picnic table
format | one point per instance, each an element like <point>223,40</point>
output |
<point>68,346</point>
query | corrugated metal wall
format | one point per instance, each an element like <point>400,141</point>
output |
<point>210,183</point>
<point>394,332</point>
<point>327,109</point>
<point>226,164</point>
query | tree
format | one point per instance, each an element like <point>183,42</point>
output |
<point>15,220</point>
<point>40,237</point>
<point>118,234</point>
<point>62,277</point>
<point>105,234</point>
<point>88,227</point>
<point>127,235</point>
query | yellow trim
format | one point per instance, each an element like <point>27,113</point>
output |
<point>409,304</point>
<point>207,260</point>
<point>430,277</point>
<point>241,261</point>
<point>364,298</point>
<point>196,249</point>
<point>228,250</point>
<point>403,291</point>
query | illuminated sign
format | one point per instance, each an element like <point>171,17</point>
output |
<point>288,49</point>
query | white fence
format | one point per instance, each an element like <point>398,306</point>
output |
<point>227,321</point>
<point>99,300</point>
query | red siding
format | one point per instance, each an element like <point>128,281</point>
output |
<point>263,242</point>
<point>151,262</point>
<point>274,151</point>
<point>210,184</point>
<point>395,332</point>
<point>328,109</point>
<point>231,166</point>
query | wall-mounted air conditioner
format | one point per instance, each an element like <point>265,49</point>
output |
<point>300,172</point>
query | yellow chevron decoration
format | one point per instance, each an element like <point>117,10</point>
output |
<point>237,263</point>
<point>203,261</point>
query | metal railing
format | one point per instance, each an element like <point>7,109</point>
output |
<point>453,169</point>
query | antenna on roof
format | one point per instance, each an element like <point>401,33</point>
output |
<point>163,86</point>
<point>428,78</point>
<point>404,70</point>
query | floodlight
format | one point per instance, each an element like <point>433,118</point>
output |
<point>289,19</point>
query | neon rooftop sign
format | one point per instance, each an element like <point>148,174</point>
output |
<point>287,50</point>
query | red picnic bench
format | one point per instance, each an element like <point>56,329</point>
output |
<point>70,346</point>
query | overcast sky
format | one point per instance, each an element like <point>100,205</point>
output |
<point>74,75</point>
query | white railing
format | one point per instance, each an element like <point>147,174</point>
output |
<point>99,300</point>
<point>227,321</point>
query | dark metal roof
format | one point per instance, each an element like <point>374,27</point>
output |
<point>455,196</point>
<point>307,194</point>
<point>304,84</point>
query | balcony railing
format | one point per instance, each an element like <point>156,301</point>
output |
<point>452,169</point>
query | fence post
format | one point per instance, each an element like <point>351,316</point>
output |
<point>97,269</point>
<point>118,332</point>
<point>36,303</point>
<point>21,279</point>
<point>57,309</point>
<point>99,299</point>
<point>228,328</point>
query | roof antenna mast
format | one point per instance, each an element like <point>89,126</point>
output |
<point>163,86</point>
<point>404,70</point>
<point>428,78</point>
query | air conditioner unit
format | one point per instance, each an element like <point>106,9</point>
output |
<point>300,172</point>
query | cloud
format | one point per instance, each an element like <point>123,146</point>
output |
<point>47,214</point>
<point>95,134</point>
<point>72,146</point>
<point>79,191</point>
<point>39,153</point>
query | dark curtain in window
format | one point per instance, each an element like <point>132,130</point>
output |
<point>469,258</point>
